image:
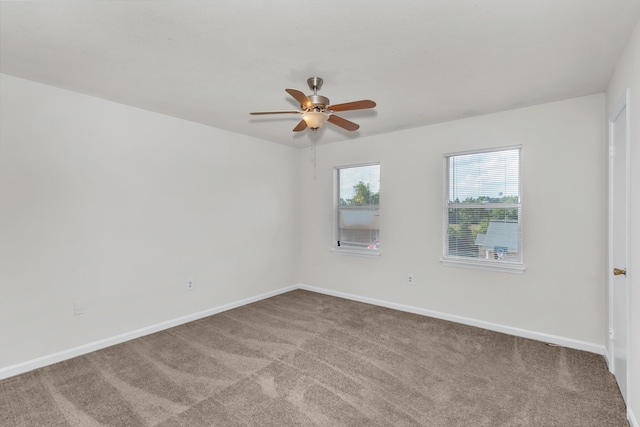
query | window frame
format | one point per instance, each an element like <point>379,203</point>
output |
<point>481,263</point>
<point>348,250</point>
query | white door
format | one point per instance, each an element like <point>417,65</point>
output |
<point>618,243</point>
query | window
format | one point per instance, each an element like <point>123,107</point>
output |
<point>357,209</point>
<point>483,210</point>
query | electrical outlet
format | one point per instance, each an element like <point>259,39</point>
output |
<point>78,308</point>
<point>190,285</point>
<point>410,279</point>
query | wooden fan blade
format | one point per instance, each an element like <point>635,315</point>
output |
<point>300,97</point>
<point>301,126</point>
<point>343,123</point>
<point>356,105</point>
<point>257,113</point>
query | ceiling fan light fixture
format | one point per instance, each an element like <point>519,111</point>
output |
<point>314,119</point>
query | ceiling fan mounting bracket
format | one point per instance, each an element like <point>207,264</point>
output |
<point>315,83</point>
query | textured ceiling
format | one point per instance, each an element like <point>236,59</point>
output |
<point>423,62</point>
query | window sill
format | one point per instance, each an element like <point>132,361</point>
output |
<point>367,253</point>
<point>484,265</point>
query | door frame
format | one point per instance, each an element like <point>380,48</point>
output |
<point>621,105</point>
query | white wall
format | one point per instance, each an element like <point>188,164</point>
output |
<point>564,198</point>
<point>118,207</point>
<point>627,75</point>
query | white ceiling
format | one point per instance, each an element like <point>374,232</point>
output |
<point>423,62</point>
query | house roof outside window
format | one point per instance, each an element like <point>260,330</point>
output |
<point>503,234</point>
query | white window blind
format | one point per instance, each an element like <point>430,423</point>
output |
<point>482,207</point>
<point>358,208</point>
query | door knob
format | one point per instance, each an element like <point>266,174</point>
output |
<point>617,271</point>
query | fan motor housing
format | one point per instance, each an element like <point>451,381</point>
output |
<point>319,101</point>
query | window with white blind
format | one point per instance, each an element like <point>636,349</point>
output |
<point>357,209</point>
<point>483,209</point>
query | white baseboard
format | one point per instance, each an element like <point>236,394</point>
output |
<point>607,357</point>
<point>524,333</point>
<point>50,359</point>
<point>39,362</point>
<point>632,419</point>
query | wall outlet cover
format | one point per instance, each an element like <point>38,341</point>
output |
<point>78,308</point>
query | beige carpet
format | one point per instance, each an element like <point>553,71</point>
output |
<point>305,359</point>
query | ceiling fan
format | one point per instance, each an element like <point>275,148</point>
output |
<point>316,109</point>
